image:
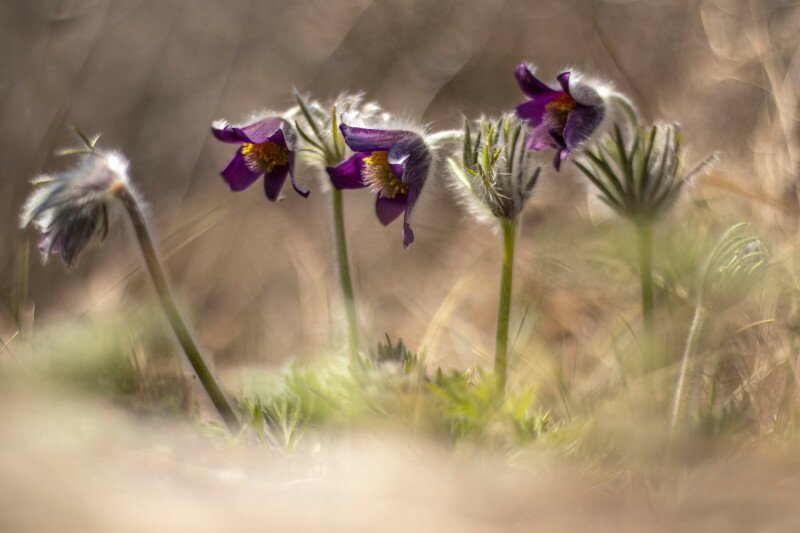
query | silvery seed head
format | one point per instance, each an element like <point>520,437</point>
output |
<point>736,264</point>
<point>639,175</point>
<point>495,173</point>
<point>71,208</point>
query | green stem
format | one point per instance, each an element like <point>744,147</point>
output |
<point>344,276</point>
<point>688,373</point>
<point>442,137</point>
<point>645,238</point>
<point>504,304</point>
<point>627,108</point>
<point>19,298</point>
<point>187,342</point>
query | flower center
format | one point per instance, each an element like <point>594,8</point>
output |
<point>379,176</point>
<point>562,103</point>
<point>264,157</point>
<point>559,107</point>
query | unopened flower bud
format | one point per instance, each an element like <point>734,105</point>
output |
<point>737,263</point>
<point>71,208</point>
<point>495,173</point>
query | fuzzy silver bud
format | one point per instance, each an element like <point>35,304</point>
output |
<point>71,208</point>
<point>495,174</point>
<point>737,263</point>
<point>639,173</point>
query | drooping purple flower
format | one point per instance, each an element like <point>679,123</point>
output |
<point>561,118</point>
<point>393,164</point>
<point>71,209</point>
<point>267,148</point>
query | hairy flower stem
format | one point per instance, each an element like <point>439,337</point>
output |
<point>187,342</point>
<point>344,277</point>
<point>504,304</point>
<point>627,107</point>
<point>688,371</point>
<point>645,237</point>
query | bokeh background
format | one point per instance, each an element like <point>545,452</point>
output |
<point>258,279</point>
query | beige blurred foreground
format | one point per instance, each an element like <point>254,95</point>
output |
<point>72,465</point>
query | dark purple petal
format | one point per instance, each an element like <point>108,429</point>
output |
<point>408,235</point>
<point>563,80</point>
<point>541,138</point>
<point>278,138</point>
<point>371,140</point>
<point>347,174</point>
<point>302,192</point>
<point>238,175</point>
<point>227,134</point>
<point>413,154</point>
<point>274,180</point>
<point>530,84</point>
<point>581,123</point>
<point>533,110</point>
<point>388,209</point>
<point>415,157</point>
<point>285,137</point>
<point>257,132</point>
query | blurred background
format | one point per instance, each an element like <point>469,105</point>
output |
<point>258,279</point>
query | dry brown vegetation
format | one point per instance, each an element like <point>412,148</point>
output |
<point>85,360</point>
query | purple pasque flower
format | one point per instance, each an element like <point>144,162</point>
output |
<point>267,147</point>
<point>562,118</point>
<point>393,164</point>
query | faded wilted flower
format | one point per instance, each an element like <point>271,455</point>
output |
<point>393,164</point>
<point>495,174</point>
<point>267,147</point>
<point>563,118</point>
<point>71,209</point>
<point>736,264</point>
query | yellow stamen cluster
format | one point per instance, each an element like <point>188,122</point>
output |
<point>264,157</point>
<point>379,176</point>
<point>562,102</point>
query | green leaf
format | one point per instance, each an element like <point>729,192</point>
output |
<point>458,172</point>
<point>88,141</point>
